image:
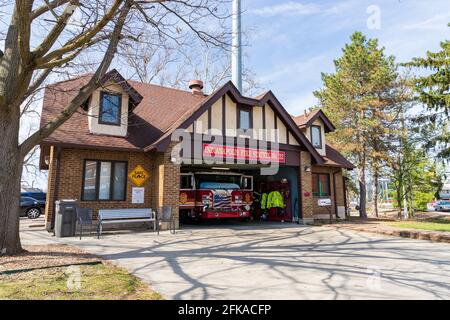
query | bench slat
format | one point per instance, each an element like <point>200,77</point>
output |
<point>106,216</point>
<point>127,220</point>
<point>113,214</point>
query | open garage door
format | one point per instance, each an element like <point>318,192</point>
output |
<point>215,193</point>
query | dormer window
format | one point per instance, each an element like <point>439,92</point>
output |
<point>110,108</point>
<point>316,137</point>
<point>244,118</point>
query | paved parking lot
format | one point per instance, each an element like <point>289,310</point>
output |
<point>275,261</point>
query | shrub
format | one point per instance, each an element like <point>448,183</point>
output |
<point>421,199</point>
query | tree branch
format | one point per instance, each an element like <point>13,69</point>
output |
<point>53,35</point>
<point>49,6</point>
<point>38,82</point>
<point>85,91</point>
<point>23,8</point>
<point>83,38</point>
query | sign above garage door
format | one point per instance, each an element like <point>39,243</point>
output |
<point>243,153</point>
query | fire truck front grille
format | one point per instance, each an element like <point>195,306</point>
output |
<point>222,201</point>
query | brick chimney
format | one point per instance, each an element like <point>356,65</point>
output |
<point>196,86</point>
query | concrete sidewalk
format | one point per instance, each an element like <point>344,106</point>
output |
<point>275,261</point>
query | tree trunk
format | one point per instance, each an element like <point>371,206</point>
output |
<point>375,190</point>
<point>362,189</point>
<point>10,177</point>
<point>410,198</point>
<point>399,200</point>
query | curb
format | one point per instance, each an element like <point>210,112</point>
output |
<point>412,234</point>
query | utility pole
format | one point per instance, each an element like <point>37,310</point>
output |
<point>236,45</point>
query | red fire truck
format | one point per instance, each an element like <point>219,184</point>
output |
<point>215,195</point>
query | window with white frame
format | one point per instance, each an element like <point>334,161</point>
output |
<point>316,137</point>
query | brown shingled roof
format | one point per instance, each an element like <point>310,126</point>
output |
<point>334,159</point>
<point>159,109</point>
<point>306,120</point>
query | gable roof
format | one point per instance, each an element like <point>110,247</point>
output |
<point>116,77</point>
<point>230,89</point>
<point>304,121</point>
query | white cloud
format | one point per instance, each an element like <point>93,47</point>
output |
<point>298,103</point>
<point>294,9</point>
<point>290,8</point>
<point>437,22</point>
<point>301,70</point>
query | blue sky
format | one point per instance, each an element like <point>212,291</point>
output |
<point>291,42</point>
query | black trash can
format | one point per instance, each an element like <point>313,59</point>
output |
<point>66,217</point>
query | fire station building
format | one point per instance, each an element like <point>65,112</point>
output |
<point>119,150</point>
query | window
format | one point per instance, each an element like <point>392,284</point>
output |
<point>321,184</point>
<point>316,137</point>
<point>244,118</point>
<point>110,108</point>
<point>247,183</point>
<point>104,180</point>
<point>186,181</point>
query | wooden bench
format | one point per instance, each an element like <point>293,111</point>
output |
<point>106,216</point>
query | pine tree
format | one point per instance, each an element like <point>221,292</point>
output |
<point>433,90</point>
<point>359,98</point>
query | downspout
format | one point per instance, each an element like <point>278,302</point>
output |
<point>334,194</point>
<point>300,194</point>
<point>57,178</point>
<point>344,184</point>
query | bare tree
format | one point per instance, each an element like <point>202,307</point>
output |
<point>174,64</point>
<point>49,39</point>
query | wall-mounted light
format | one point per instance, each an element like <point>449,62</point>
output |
<point>307,169</point>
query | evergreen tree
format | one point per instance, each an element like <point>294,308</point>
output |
<point>359,98</point>
<point>433,90</point>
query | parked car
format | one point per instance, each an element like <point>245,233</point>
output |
<point>31,208</point>
<point>41,196</point>
<point>354,205</point>
<point>442,205</point>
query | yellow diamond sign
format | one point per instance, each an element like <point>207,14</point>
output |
<point>139,175</point>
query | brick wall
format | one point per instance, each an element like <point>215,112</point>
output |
<point>335,175</point>
<point>306,187</point>
<point>71,175</point>
<point>166,183</point>
<point>171,185</point>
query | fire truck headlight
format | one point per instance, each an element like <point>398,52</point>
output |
<point>247,207</point>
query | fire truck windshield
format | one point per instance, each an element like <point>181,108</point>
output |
<point>218,185</point>
<point>218,181</point>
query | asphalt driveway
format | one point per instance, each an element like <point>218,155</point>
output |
<point>275,261</point>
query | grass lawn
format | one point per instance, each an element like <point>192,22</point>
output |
<point>63,272</point>
<point>98,281</point>
<point>435,224</point>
